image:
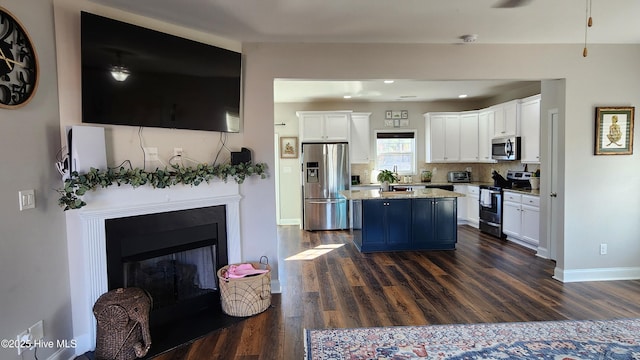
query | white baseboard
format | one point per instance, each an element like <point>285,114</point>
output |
<point>522,243</point>
<point>601,274</point>
<point>63,354</point>
<point>289,222</point>
<point>543,252</point>
<point>275,286</point>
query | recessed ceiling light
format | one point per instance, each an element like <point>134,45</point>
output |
<point>462,96</point>
<point>347,96</point>
<point>389,81</point>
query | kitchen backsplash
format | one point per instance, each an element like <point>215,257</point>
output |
<point>479,172</point>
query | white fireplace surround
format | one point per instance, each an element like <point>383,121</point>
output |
<point>86,239</point>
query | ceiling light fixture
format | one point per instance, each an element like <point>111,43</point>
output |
<point>347,96</point>
<point>462,96</point>
<point>389,81</point>
<point>587,25</point>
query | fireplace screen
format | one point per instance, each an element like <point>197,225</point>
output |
<point>174,277</point>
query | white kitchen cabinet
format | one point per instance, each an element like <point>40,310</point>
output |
<point>321,126</point>
<point>462,203</point>
<point>485,134</point>
<point>506,118</point>
<point>360,141</point>
<point>443,137</point>
<point>530,129</point>
<point>469,137</point>
<point>473,205</point>
<point>521,218</point>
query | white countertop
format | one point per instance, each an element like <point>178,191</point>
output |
<point>415,194</point>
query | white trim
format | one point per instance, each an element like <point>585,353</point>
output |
<point>601,274</point>
<point>414,150</point>
<point>62,354</point>
<point>290,221</point>
<point>542,252</point>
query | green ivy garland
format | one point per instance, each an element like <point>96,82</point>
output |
<point>78,184</point>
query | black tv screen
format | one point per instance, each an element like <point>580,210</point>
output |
<point>172,82</point>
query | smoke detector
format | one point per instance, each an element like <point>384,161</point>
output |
<point>469,38</point>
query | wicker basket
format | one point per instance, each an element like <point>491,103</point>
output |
<point>248,295</point>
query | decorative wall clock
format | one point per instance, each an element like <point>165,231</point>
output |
<point>18,63</point>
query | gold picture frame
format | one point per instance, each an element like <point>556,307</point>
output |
<point>614,130</point>
<point>288,147</point>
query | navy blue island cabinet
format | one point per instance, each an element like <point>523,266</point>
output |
<point>407,224</point>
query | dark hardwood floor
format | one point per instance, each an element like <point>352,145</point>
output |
<point>484,280</point>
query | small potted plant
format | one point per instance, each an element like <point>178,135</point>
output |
<point>535,180</point>
<point>386,177</point>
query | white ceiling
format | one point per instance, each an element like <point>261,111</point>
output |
<point>396,21</point>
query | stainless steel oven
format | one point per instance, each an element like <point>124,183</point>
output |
<point>491,210</point>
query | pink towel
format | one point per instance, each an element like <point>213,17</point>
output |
<point>242,270</point>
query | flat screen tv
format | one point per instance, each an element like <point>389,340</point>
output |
<point>172,82</point>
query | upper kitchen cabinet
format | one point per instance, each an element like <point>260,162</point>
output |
<point>485,134</point>
<point>324,126</point>
<point>442,132</point>
<point>530,129</point>
<point>360,138</point>
<point>469,136</point>
<point>506,116</point>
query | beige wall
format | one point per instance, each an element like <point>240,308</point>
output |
<point>608,76</point>
<point>34,276</point>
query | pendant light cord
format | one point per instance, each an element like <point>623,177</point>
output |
<point>587,25</point>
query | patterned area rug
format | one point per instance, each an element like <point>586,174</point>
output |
<point>555,340</point>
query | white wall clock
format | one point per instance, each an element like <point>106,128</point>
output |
<point>18,63</point>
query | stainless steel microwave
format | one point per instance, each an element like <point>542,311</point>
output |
<point>505,148</point>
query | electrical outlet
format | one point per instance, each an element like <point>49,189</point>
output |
<point>603,249</point>
<point>36,331</point>
<point>24,341</point>
<point>177,151</point>
<point>151,153</point>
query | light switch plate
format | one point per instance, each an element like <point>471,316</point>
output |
<point>27,199</point>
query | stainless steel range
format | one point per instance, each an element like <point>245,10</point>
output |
<point>491,199</point>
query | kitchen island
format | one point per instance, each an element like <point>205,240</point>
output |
<point>422,219</point>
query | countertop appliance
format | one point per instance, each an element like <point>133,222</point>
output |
<point>506,148</point>
<point>458,177</point>
<point>491,199</point>
<point>325,172</point>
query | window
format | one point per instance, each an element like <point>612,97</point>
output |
<point>396,149</point>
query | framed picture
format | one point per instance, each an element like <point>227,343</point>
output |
<point>614,130</point>
<point>388,114</point>
<point>396,114</point>
<point>289,147</point>
<point>405,114</point>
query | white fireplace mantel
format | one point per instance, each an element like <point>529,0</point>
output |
<point>86,241</point>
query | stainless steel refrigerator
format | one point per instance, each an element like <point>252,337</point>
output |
<point>325,172</point>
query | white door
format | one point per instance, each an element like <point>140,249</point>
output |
<point>554,218</point>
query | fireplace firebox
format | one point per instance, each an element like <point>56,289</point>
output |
<point>174,256</point>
